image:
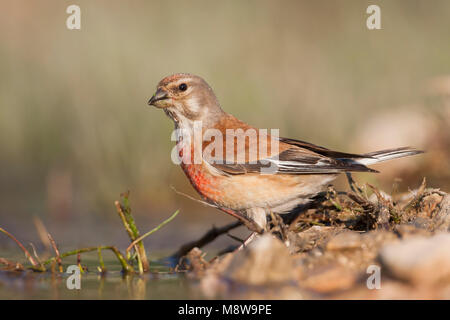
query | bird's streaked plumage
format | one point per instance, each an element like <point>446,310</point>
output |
<point>301,169</point>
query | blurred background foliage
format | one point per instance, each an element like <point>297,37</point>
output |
<point>76,131</point>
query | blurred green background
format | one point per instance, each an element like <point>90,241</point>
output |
<point>76,131</point>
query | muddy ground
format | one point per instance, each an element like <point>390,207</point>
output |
<point>346,246</point>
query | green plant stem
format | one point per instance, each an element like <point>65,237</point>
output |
<point>125,266</point>
<point>133,233</point>
<point>152,231</point>
<point>100,260</point>
<point>143,264</point>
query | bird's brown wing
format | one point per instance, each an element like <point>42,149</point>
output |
<point>290,157</point>
<point>294,161</point>
<point>298,160</point>
<point>321,150</point>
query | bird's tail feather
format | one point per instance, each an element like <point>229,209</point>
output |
<point>388,154</point>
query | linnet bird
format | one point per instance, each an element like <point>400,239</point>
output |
<point>241,180</point>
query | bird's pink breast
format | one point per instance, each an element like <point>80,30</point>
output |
<point>240,192</point>
<point>203,182</point>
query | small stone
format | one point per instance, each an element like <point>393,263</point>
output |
<point>407,230</point>
<point>422,223</point>
<point>265,261</point>
<point>345,240</point>
<point>430,203</point>
<point>194,262</point>
<point>441,219</point>
<point>311,238</point>
<point>418,260</point>
<point>329,279</point>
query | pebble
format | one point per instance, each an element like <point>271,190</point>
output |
<point>265,261</point>
<point>418,260</point>
<point>441,219</point>
<point>344,241</point>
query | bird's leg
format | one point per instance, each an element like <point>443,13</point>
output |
<point>352,183</point>
<point>249,239</point>
<point>248,222</point>
<point>258,216</point>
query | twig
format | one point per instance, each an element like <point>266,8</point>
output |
<point>228,249</point>
<point>331,196</point>
<point>36,256</point>
<point>152,231</point>
<point>249,223</point>
<point>352,183</point>
<point>208,237</point>
<point>42,232</point>
<point>194,199</point>
<point>235,238</point>
<point>291,218</point>
<point>125,266</point>
<point>310,221</point>
<point>417,196</point>
<point>383,213</point>
<point>279,228</point>
<point>58,257</point>
<point>12,265</point>
<point>27,254</point>
<point>79,263</point>
<point>249,239</point>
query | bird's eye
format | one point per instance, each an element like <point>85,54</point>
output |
<point>182,87</point>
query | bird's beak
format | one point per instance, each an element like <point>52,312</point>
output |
<point>159,95</point>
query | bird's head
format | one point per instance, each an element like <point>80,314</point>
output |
<point>186,98</point>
